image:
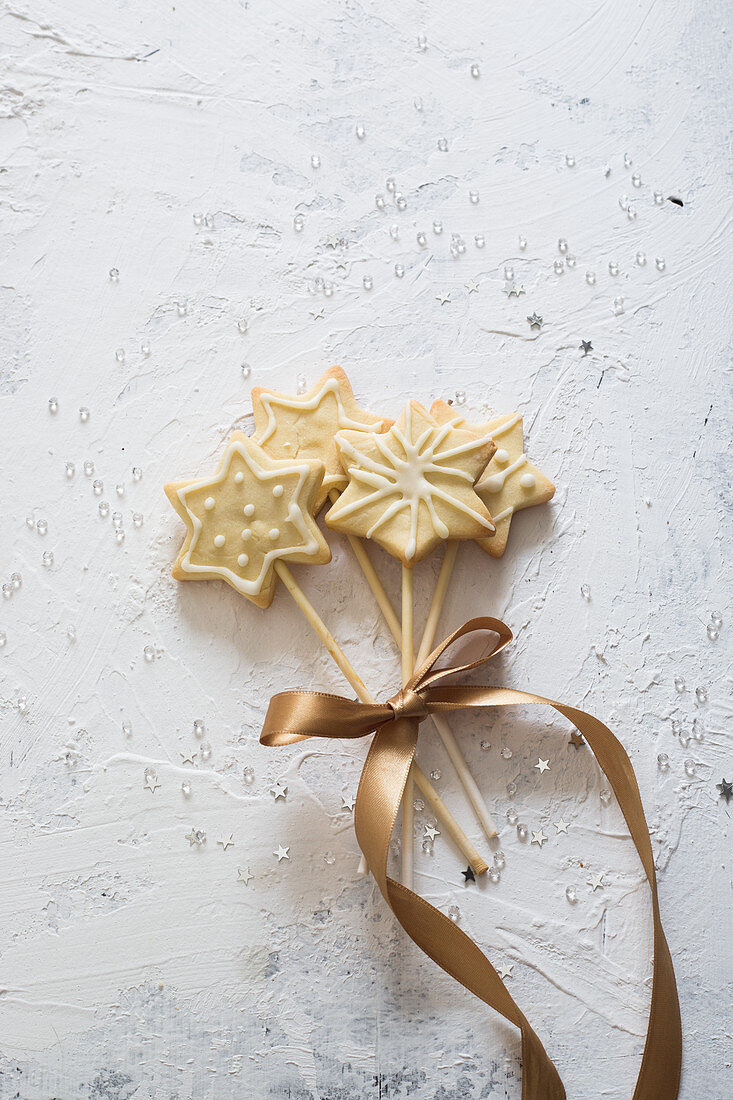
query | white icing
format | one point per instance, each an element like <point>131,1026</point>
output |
<point>514,419</point>
<point>296,517</point>
<point>502,456</point>
<point>219,540</point>
<point>209,503</point>
<point>308,404</point>
<point>247,533</point>
<point>407,478</point>
<point>503,515</point>
<point>243,560</point>
<point>527,481</point>
<point>495,483</point>
<point>274,533</point>
<point>249,509</point>
<point>277,490</point>
<point>239,477</point>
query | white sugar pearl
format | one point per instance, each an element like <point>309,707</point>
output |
<point>571,894</point>
<point>243,560</point>
<point>209,503</point>
<point>219,541</point>
<point>273,534</point>
<point>367,282</point>
<point>475,72</point>
<point>277,490</point>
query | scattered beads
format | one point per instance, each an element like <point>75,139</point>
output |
<point>506,753</point>
<point>22,704</point>
<point>660,263</point>
<point>689,767</point>
<point>590,278</point>
<point>401,202</point>
<point>88,468</point>
<point>494,875</point>
<point>399,270</point>
<point>136,473</point>
<point>149,653</point>
<point>53,406</point>
<point>618,306</point>
<point>509,273</point>
<point>701,693</point>
<point>422,43</point>
<point>570,160</point>
<point>460,397</point>
<point>522,244</point>
<point>499,861</point>
<point>627,161</point>
<point>120,489</point>
<point>605,796</point>
<point>30,522</point>
<point>454,913</point>
<point>585,591</point>
<point>199,729</point>
<point>47,558</point>
<point>367,282</point>
<point>126,728</point>
<point>640,259</point>
<point>571,894</point>
<point>145,348</point>
<point>558,267</point>
<point>315,161</point>
<point>443,145</point>
<point>479,240</point>
<point>713,632</point>
<point>120,355</point>
<point>428,846</point>
<point>248,774</point>
<point>97,487</point>
<point>663,761</point>
<point>679,684</point>
<point>137,519</point>
<point>197,219</point>
<point>84,414</point>
<point>380,202</point>
<point>301,383</point>
<point>435,775</point>
<point>394,232</point>
<point>522,832</point>
<point>716,619</point>
<point>17,581</point>
<point>612,267</point>
<point>103,509</point>
<point>473,197</point>
<point>205,750</point>
<point>417,103</point>
<point>697,730</point>
<point>485,746</point>
<point>511,789</point>
<point>71,632</point>
<point>419,805</point>
<point>636,179</point>
<point>70,470</point>
<point>437,227</point>
<point>7,590</point>
<point>117,520</point>
<point>512,816</point>
<point>570,260</point>
<point>391,184</point>
<point>3,639</point>
<point>562,245</point>
<point>41,526</point>
<point>186,789</point>
<point>181,308</point>
<point>475,72</point>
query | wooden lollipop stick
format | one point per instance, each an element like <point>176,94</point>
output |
<point>408,659</point>
<point>436,605</point>
<point>319,627</point>
<point>477,862</point>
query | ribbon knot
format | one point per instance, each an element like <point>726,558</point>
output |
<point>408,703</point>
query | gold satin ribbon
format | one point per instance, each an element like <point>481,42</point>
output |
<point>295,715</point>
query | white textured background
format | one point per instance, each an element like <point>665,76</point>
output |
<point>132,966</point>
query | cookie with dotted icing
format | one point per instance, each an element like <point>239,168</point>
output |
<point>510,482</point>
<point>251,512</point>
<point>305,426</point>
<point>412,486</point>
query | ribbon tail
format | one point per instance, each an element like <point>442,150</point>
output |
<point>380,792</point>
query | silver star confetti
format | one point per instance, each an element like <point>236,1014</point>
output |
<point>196,836</point>
<point>347,801</point>
<point>471,286</point>
<point>244,876</point>
<point>596,881</point>
<point>226,841</point>
<point>542,765</point>
<point>279,790</point>
<point>151,782</point>
<point>561,826</point>
<point>188,757</point>
<point>317,314</point>
<point>535,321</point>
<point>431,832</point>
<point>512,288</point>
<point>281,853</point>
<point>538,838</point>
<point>443,298</point>
<point>505,971</point>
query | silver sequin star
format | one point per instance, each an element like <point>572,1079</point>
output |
<point>279,790</point>
<point>281,853</point>
<point>188,757</point>
<point>226,841</point>
<point>596,881</point>
<point>196,836</point>
<point>505,971</point>
<point>333,240</point>
<point>347,801</point>
<point>244,876</point>
<point>151,783</point>
<point>443,298</point>
<point>535,321</point>
<point>561,826</point>
<point>317,314</point>
<point>471,286</point>
<point>431,832</point>
<point>512,288</point>
<point>538,838</point>
<point>542,765</point>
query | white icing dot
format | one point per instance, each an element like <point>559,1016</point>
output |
<point>246,534</point>
<point>527,481</point>
<point>239,477</point>
<point>277,490</point>
<point>502,456</point>
<point>249,509</point>
<point>219,541</point>
<point>493,484</point>
<point>274,533</point>
<point>243,560</point>
<point>209,503</point>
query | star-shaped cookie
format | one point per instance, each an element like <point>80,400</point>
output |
<point>510,482</point>
<point>254,510</point>
<point>412,486</point>
<point>304,426</point>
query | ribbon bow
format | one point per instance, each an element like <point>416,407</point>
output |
<point>293,716</point>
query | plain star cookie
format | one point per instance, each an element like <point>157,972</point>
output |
<point>412,486</point>
<point>510,481</point>
<point>288,426</point>
<point>253,511</point>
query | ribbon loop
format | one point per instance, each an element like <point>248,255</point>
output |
<point>296,715</point>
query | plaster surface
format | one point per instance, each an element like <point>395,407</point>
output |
<point>134,966</point>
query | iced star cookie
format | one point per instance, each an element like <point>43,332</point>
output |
<point>253,511</point>
<point>510,482</point>
<point>305,426</point>
<point>412,486</point>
